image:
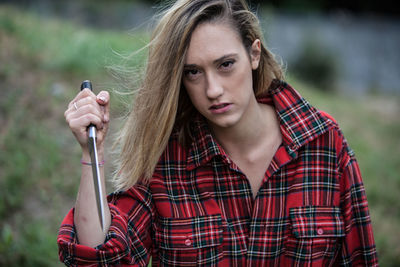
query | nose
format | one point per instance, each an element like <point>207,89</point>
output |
<point>214,88</point>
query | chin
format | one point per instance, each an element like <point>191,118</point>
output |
<point>223,123</point>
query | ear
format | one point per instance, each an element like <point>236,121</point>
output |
<point>255,54</point>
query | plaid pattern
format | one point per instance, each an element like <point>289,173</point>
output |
<point>314,221</point>
<point>198,209</point>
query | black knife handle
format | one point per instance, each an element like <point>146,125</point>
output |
<point>86,84</point>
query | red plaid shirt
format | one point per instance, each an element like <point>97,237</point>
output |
<point>198,209</point>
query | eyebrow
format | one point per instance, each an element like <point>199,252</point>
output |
<point>215,62</point>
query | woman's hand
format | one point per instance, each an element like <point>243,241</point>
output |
<point>85,109</point>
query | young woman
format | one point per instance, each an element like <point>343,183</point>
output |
<point>221,162</point>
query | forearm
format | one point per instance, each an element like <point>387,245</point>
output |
<point>129,239</point>
<point>86,219</point>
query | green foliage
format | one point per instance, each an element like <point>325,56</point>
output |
<point>28,168</point>
<point>316,65</point>
<point>37,247</point>
<point>62,47</point>
<point>39,160</point>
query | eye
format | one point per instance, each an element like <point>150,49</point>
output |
<point>226,65</point>
<point>191,74</point>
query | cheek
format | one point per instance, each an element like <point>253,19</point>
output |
<point>243,80</point>
<point>189,89</point>
<point>193,95</point>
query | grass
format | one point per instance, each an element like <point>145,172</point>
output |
<point>46,60</point>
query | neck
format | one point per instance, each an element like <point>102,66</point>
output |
<point>259,127</point>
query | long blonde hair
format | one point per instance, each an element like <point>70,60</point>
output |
<point>161,103</point>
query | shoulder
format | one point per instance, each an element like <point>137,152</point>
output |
<point>335,132</point>
<point>334,128</point>
<point>328,116</point>
<point>336,138</point>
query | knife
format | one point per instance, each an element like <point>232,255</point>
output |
<point>95,165</point>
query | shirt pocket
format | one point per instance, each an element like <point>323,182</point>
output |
<point>189,241</point>
<point>316,232</point>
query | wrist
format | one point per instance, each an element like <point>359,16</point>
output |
<point>87,158</point>
<point>88,163</point>
<point>86,155</point>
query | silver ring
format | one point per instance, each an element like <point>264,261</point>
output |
<point>75,106</point>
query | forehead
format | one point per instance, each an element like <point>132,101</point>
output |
<point>210,41</point>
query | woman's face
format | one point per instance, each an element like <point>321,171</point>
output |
<point>218,75</point>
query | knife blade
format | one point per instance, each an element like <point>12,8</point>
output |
<point>98,188</point>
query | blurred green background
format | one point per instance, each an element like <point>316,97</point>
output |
<point>48,47</point>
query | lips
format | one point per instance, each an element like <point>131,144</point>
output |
<point>220,108</point>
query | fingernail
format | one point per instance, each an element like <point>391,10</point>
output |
<point>102,98</point>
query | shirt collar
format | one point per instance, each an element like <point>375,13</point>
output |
<point>204,147</point>
<point>300,123</point>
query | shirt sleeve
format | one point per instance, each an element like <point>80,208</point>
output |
<point>358,246</point>
<point>128,241</point>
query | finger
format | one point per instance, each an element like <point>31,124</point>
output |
<point>83,102</point>
<point>86,101</point>
<point>81,95</point>
<point>103,98</point>
<point>89,111</point>
<point>81,123</point>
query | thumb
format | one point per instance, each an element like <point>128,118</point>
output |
<point>103,99</point>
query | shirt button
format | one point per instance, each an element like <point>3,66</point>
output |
<point>188,242</point>
<point>320,231</point>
